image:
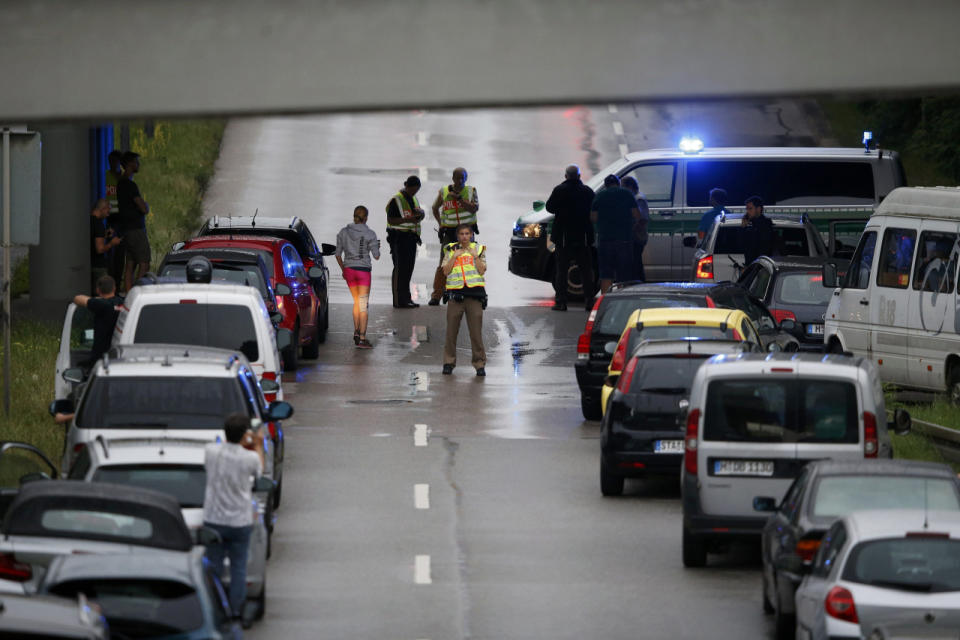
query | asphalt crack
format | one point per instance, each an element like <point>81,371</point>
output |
<point>451,448</point>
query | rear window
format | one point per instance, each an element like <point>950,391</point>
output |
<point>781,182</point>
<point>157,402</point>
<point>185,483</point>
<point>802,288</point>
<point>921,564</point>
<point>248,275</point>
<point>140,608</point>
<point>760,410</point>
<point>225,326</point>
<point>791,241</point>
<point>667,374</point>
<point>680,332</point>
<point>836,496</point>
<point>614,312</point>
<point>97,523</point>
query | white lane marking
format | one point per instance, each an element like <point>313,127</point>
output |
<point>421,570</point>
<point>422,138</point>
<point>618,128</point>
<point>624,150</point>
<point>421,433</point>
<point>380,435</point>
<point>612,108</point>
<point>422,173</point>
<point>421,496</point>
<point>423,377</point>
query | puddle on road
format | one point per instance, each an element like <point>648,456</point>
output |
<point>383,401</point>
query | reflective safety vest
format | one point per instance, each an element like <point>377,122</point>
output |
<point>464,272</point>
<point>404,207</point>
<point>452,213</point>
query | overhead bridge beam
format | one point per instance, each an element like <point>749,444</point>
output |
<point>109,58</point>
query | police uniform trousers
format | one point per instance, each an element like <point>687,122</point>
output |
<point>447,235</point>
<point>403,251</point>
<point>473,309</point>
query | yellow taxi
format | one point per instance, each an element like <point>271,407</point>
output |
<point>675,323</point>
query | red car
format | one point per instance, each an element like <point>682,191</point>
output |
<point>297,301</point>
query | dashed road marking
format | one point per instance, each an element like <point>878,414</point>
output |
<point>612,108</point>
<point>422,377</point>
<point>421,433</point>
<point>618,128</point>
<point>624,150</point>
<point>422,138</point>
<point>421,570</point>
<point>421,496</point>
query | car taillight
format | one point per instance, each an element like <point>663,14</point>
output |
<point>272,427</point>
<point>690,442</point>
<point>870,443</point>
<point>80,446</point>
<point>783,314</point>
<point>583,342</point>
<point>807,548</point>
<point>271,395</point>
<point>705,268</point>
<point>623,384</point>
<point>10,569</point>
<point>839,605</point>
<point>620,355</point>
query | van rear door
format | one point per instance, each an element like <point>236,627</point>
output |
<point>829,415</point>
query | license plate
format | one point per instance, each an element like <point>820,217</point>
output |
<point>743,467</point>
<point>815,329</point>
<point>668,446</point>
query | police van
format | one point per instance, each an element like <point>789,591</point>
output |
<point>841,186</point>
<point>898,303</point>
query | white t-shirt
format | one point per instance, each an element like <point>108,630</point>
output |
<point>231,471</point>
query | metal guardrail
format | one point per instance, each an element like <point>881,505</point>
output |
<point>945,439</point>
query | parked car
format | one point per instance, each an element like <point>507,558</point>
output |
<point>51,617</point>
<point>829,489</point>
<point>56,517</point>
<point>304,311</point>
<point>643,428</point>
<point>755,420</point>
<point>897,304</point>
<point>610,312</point>
<point>176,467</point>
<point>792,288</point>
<point>720,254</point>
<point>674,323</point>
<point>140,596</point>
<point>171,390</point>
<point>883,574</point>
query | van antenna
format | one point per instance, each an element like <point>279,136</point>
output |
<point>926,523</point>
<point>253,223</point>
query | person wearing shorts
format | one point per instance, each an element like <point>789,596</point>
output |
<point>133,225</point>
<point>356,243</point>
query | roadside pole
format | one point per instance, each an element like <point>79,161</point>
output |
<point>6,270</point>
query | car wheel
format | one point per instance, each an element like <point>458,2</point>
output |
<point>322,332</point>
<point>953,386</point>
<point>590,407</point>
<point>574,282</point>
<point>610,484</point>
<point>834,347</point>
<point>290,361</point>
<point>784,624</point>
<point>694,550</point>
<point>276,494</point>
<point>311,351</point>
<point>767,607</point>
<point>261,602</point>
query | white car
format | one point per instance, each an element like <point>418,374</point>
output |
<point>883,575</point>
<point>175,466</point>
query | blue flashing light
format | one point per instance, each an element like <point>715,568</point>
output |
<point>691,144</point>
<point>867,138</point>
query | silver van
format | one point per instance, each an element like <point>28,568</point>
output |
<point>755,420</point>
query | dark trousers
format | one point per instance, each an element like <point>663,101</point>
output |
<point>583,256</point>
<point>639,272</point>
<point>403,250</point>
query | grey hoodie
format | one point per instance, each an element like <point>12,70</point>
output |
<point>356,242</point>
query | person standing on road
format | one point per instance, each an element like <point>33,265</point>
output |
<point>105,308</point>
<point>614,211</point>
<point>464,263</point>
<point>133,212</point>
<point>718,200</point>
<point>403,234</point>
<point>232,468</point>
<point>110,180</point>
<point>572,235</point>
<point>102,241</point>
<point>455,204</point>
<point>640,235</point>
<point>355,244</point>
<point>759,238</point>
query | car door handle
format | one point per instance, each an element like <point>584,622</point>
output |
<point>864,302</point>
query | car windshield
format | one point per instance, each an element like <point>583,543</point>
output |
<point>245,274</point>
<point>185,483</point>
<point>922,563</point>
<point>140,608</point>
<point>615,311</point>
<point>836,496</point>
<point>803,288</point>
<point>762,410</point>
<point>225,326</point>
<point>158,402</point>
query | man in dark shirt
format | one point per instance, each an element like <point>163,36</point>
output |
<point>615,212</point>
<point>105,308</point>
<point>572,233</point>
<point>404,215</point>
<point>132,219</point>
<point>102,241</point>
<point>718,200</point>
<point>758,235</point>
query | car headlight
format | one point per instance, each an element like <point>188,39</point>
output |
<point>531,231</point>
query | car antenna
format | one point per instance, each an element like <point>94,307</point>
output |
<point>926,523</point>
<point>253,223</point>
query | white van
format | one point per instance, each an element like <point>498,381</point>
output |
<point>898,303</point>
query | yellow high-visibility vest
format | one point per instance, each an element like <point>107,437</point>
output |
<point>406,212</point>
<point>464,272</point>
<point>452,213</point>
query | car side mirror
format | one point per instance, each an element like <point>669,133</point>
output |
<point>609,348</point>
<point>764,504</point>
<point>315,272</point>
<point>538,205</point>
<point>791,563</point>
<point>279,410</point>
<point>830,278</point>
<point>284,338</point>
<point>327,249</point>
<point>690,242</point>
<point>901,422</point>
<point>61,406</point>
<point>282,290</point>
<point>207,536</point>
<point>789,325</point>
<point>269,386</point>
<point>773,347</point>
<point>264,484</point>
<point>74,375</point>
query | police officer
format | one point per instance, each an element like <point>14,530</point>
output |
<point>455,204</point>
<point>403,234</point>
<point>464,263</point>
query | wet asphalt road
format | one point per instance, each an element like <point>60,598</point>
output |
<point>421,506</point>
